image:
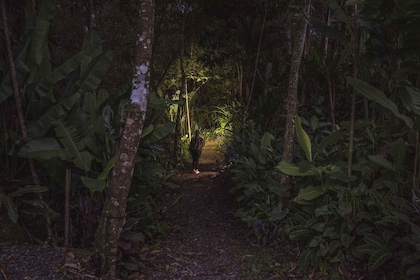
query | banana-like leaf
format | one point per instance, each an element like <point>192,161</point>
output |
<point>42,148</point>
<point>158,133</point>
<point>71,141</point>
<point>92,37</point>
<point>28,189</point>
<point>85,126</point>
<point>22,70</point>
<point>89,106</point>
<point>101,97</point>
<point>107,169</point>
<point>65,69</point>
<point>303,139</point>
<point>39,49</point>
<point>40,126</point>
<point>378,96</point>
<point>94,185</point>
<point>94,74</point>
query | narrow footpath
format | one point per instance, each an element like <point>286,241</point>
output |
<point>206,242</point>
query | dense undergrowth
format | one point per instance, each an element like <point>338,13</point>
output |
<point>370,218</point>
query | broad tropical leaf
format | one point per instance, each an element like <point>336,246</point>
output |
<point>383,162</point>
<point>40,126</point>
<point>22,70</point>
<point>28,189</point>
<point>303,139</point>
<point>308,194</point>
<point>94,74</point>
<point>42,148</point>
<point>71,141</point>
<point>38,51</point>
<point>92,38</point>
<point>378,96</point>
<point>107,169</point>
<point>158,133</point>
<point>86,127</point>
<point>294,170</point>
<point>64,70</point>
<point>95,185</point>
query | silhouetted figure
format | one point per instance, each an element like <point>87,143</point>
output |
<point>196,145</point>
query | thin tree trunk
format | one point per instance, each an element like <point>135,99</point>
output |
<point>67,208</point>
<point>255,66</point>
<point>353,98</point>
<point>292,96</point>
<point>184,86</point>
<point>21,118</point>
<point>113,214</point>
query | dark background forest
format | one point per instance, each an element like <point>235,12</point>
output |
<point>315,105</point>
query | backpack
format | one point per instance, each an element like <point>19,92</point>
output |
<point>196,143</point>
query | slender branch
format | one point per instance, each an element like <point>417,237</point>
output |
<point>67,208</point>
<point>353,98</point>
<point>256,64</point>
<point>20,111</point>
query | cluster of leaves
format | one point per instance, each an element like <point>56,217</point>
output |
<point>336,223</point>
<point>366,208</point>
<point>73,126</point>
<point>255,182</point>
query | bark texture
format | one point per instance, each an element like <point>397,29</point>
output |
<point>113,214</point>
<point>300,27</point>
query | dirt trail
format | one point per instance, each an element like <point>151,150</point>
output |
<point>205,243</point>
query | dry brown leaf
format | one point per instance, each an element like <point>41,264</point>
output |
<point>73,265</point>
<point>71,255</point>
<point>156,251</point>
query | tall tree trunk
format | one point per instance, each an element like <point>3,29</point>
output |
<point>184,84</point>
<point>300,27</point>
<point>113,214</point>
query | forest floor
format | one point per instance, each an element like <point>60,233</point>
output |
<point>205,241</point>
<point>208,242</point>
